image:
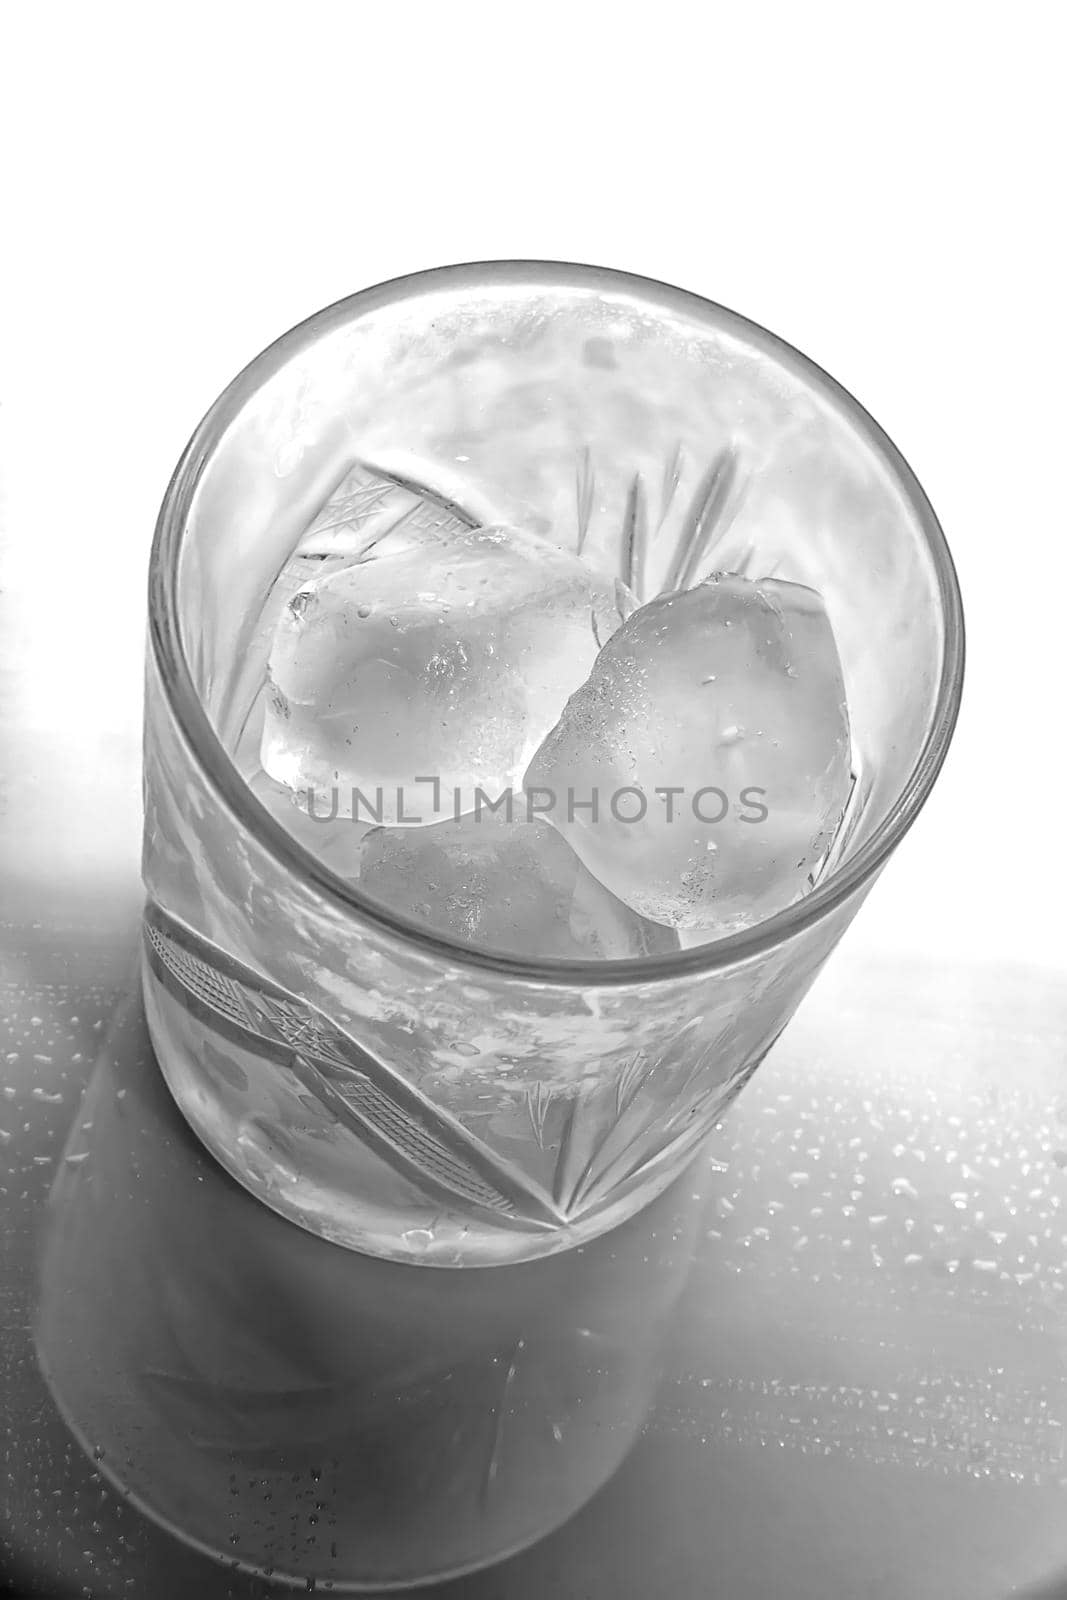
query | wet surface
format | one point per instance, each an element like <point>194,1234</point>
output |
<point>841,1371</point>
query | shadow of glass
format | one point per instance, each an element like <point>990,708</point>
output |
<point>299,1411</point>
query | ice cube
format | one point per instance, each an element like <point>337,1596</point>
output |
<point>368,511</point>
<point>506,885</point>
<point>425,673</point>
<point>713,736</point>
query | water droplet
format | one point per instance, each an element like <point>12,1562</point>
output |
<point>418,1239</point>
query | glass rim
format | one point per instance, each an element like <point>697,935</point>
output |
<point>246,811</point>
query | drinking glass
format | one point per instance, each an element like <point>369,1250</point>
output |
<point>384,1087</point>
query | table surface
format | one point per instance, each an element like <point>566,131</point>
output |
<point>862,1390</point>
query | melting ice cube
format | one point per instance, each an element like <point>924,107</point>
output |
<point>426,672</point>
<point>508,886</point>
<point>367,511</point>
<point>712,737</point>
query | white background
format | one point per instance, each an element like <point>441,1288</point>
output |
<point>882,188</point>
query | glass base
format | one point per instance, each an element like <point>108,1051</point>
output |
<point>287,1148</point>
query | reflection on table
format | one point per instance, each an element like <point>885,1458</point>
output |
<point>310,1412</point>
